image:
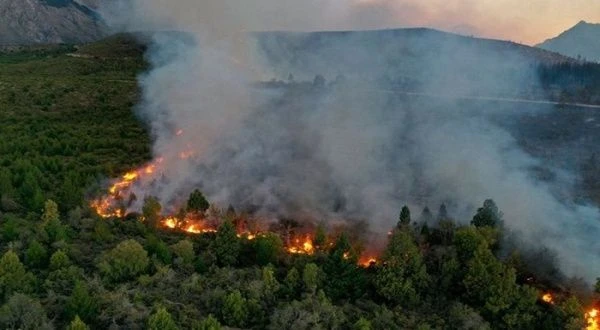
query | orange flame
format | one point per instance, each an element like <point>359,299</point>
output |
<point>593,323</point>
<point>302,247</point>
<point>128,177</point>
<point>109,206</point>
<point>367,262</point>
<point>548,298</point>
<point>170,222</point>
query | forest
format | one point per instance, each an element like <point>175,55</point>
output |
<point>68,125</point>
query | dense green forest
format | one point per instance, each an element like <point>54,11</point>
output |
<point>68,124</point>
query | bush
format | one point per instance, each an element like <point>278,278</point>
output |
<point>126,261</point>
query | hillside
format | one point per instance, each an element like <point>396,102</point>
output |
<point>580,41</point>
<point>47,22</point>
<point>413,59</point>
<point>68,125</point>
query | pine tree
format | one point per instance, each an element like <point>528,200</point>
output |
<point>151,211</point>
<point>488,215</point>
<point>77,324</point>
<point>404,218</point>
<point>81,303</point>
<point>235,309</point>
<point>197,203</point>
<point>13,276</point>
<point>161,320</point>
<point>226,245</point>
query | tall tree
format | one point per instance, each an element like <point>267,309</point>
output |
<point>426,216</point>
<point>343,277</point>
<point>50,212</point>
<point>488,215</point>
<point>226,245</point>
<point>31,193</point>
<point>443,213</point>
<point>81,303</point>
<point>13,276</point>
<point>36,255</point>
<point>268,249</point>
<point>151,211</point>
<point>403,276</point>
<point>235,309</point>
<point>197,203</point>
<point>161,320</point>
<point>404,218</point>
<point>77,324</point>
<point>310,277</point>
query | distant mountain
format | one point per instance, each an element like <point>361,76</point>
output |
<point>582,40</point>
<point>48,21</point>
<point>412,59</point>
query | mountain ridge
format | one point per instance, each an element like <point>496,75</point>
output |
<point>582,41</point>
<point>27,22</point>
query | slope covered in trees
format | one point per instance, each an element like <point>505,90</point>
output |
<point>68,124</point>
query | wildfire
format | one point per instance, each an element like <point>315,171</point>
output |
<point>367,262</point>
<point>170,223</point>
<point>548,298</point>
<point>593,322</point>
<point>104,208</point>
<point>198,229</point>
<point>248,236</point>
<point>302,247</point>
<point>112,205</point>
<point>592,316</point>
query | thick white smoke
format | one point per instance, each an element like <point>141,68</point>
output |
<point>352,151</point>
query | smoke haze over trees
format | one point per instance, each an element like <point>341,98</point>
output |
<point>351,150</point>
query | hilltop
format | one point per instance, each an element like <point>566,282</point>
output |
<point>409,59</point>
<point>581,41</point>
<point>26,22</point>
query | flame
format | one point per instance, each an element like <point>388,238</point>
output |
<point>591,316</point>
<point>111,205</point>
<point>128,177</point>
<point>248,236</point>
<point>170,222</point>
<point>367,262</point>
<point>198,229</point>
<point>302,247</point>
<point>548,298</point>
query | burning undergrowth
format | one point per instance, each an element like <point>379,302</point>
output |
<point>350,149</point>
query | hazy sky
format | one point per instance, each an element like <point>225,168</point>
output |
<point>526,21</point>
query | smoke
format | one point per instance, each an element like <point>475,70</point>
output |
<point>356,149</point>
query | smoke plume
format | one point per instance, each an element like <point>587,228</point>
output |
<point>352,149</point>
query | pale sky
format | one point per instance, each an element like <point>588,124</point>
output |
<point>525,21</point>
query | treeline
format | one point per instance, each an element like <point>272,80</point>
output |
<point>76,271</point>
<point>571,82</point>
